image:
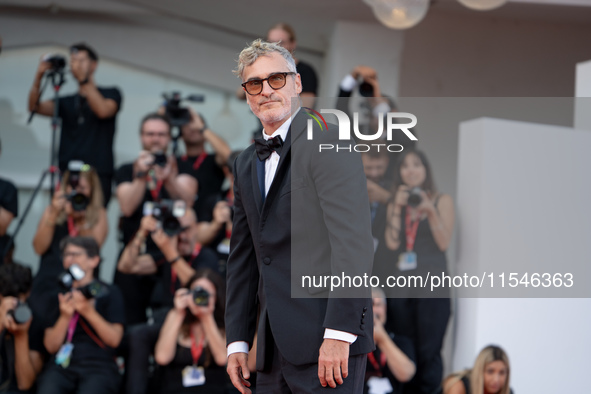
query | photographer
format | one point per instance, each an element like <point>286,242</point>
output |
<point>88,117</point>
<point>191,347</point>
<point>176,260</point>
<point>8,210</point>
<point>206,168</point>
<point>76,209</point>
<point>390,365</point>
<point>153,176</point>
<point>85,330</point>
<point>21,346</point>
<point>417,232</point>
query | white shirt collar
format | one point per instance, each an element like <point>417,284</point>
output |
<point>283,129</point>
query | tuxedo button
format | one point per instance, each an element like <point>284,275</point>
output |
<point>364,309</point>
<point>362,321</point>
<point>362,326</point>
<point>363,314</point>
<point>267,260</point>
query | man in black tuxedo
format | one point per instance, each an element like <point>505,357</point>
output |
<point>297,211</point>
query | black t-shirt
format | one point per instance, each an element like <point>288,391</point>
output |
<point>210,178</point>
<point>84,136</point>
<point>85,339</point>
<point>130,224</point>
<point>383,371</point>
<point>309,79</point>
<point>8,201</point>
<point>164,291</point>
<point>8,381</point>
<point>171,379</point>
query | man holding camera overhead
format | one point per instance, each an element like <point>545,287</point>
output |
<point>153,176</point>
<point>85,327</point>
<point>88,117</point>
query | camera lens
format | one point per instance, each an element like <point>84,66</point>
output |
<point>415,198</point>
<point>200,296</point>
<point>21,314</point>
<point>79,201</point>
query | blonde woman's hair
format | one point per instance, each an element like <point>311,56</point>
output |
<point>259,48</point>
<point>486,356</point>
<point>95,204</point>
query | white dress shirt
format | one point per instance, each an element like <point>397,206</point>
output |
<point>270,169</point>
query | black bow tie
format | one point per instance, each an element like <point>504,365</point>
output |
<point>266,147</point>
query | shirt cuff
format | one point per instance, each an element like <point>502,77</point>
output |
<point>348,83</point>
<point>329,333</point>
<point>237,347</point>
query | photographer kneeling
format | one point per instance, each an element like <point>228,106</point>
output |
<point>191,347</point>
<point>88,326</point>
<point>21,347</point>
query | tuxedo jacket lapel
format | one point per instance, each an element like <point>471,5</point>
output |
<point>257,171</point>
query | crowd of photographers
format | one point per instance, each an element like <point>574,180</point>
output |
<point>159,327</point>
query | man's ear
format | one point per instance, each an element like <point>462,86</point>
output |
<point>95,261</point>
<point>298,82</point>
<point>93,65</point>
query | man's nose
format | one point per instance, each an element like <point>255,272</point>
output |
<point>267,89</point>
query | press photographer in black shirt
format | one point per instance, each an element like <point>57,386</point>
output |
<point>8,210</point>
<point>85,327</point>
<point>21,342</point>
<point>88,117</point>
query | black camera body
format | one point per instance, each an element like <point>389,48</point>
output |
<point>177,115</point>
<point>78,200</point>
<point>200,296</point>
<point>58,62</point>
<point>160,159</point>
<point>167,213</point>
<point>21,314</point>
<point>94,289</point>
<point>414,197</point>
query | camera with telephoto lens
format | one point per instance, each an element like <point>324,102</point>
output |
<point>79,201</point>
<point>94,289</point>
<point>58,62</point>
<point>21,314</point>
<point>167,213</point>
<point>414,197</point>
<point>177,115</point>
<point>200,296</point>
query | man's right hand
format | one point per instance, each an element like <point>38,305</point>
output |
<point>58,202</point>
<point>143,163</point>
<point>67,307</point>
<point>238,371</point>
<point>43,66</point>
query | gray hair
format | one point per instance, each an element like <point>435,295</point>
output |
<point>259,48</point>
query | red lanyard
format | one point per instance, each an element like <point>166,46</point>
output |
<point>198,161</point>
<point>411,231</point>
<point>72,230</point>
<point>173,274</point>
<point>196,350</point>
<point>156,191</point>
<point>374,362</point>
<point>72,326</point>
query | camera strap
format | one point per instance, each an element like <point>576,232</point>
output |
<point>156,190</point>
<point>410,229</point>
<point>196,349</point>
<point>72,326</point>
<point>72,230</point>
<point>92,335</point>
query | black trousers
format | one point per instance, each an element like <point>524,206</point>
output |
<point>96,378</point>
<point>286,378</point>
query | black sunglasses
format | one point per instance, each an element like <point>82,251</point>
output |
<point>276,81</point>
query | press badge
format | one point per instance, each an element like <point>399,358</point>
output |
<point>64,354</point>
<point>407,261</point>
<point>224,246</point>
<point>379,385</point>
<point>193,376</point>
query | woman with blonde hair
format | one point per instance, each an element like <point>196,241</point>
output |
<point>490,375</point>
<point>76,209</point>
